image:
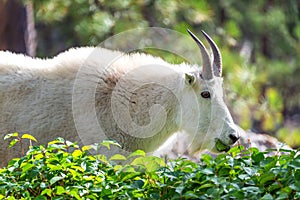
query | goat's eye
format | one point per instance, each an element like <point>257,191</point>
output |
<point>205,94</point>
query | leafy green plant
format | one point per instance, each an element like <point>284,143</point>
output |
<point>19,139</point>
<point>55,172</point>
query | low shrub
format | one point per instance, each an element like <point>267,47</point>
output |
<point>57,172</point>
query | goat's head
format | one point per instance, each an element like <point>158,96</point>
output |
<point>215,129</point>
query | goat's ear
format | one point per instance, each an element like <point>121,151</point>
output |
<point>190,79</point>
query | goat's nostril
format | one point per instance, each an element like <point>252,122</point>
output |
<point>233,138</point>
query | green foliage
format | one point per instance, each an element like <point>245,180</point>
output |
<point>55,172</point>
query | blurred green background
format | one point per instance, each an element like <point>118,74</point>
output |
<point>259,41</point>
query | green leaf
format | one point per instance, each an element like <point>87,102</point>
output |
<point>58,140</point>
<point>54,167</point>
<point>77,168</point>
<point>155,196</point>
<point>295,186</point>
<point>150,163</point>
<point>60,190</point>
<point>267,178</point>
<point>102,158</point>
<point>207,185</point>
<point>86,148</point>
<point>55,179</point>
<point>207,171</point>
<point>47,191</point>
<point>137,153</point>
<point>190,195</point>
<point>74,193</point>
<point>236,150</point>
<point>252,189</point>
<point>253,150</point>
<point>96,190</point>
<point>258,157</point>
<point>40,198</point>
<point>26,166</point>
<point>130,175</point>
<point>118,167</point>
<point>107,143</point>
<point>206,158</point>
<point>138,184</point>
<point>249,170</point>
<point>39,156</point>
<point>179,189</point>
<point>28,136</point>
<point>297,195</point>
<point>58,198</point>
<point>10,135</point>
<point>268,163</point>
<point>224,171</point>
<point>13,142</point>
<point>282,195</point>
<point>77,153</point>
<point>295,164</point>
<point>117,157</point>
<point>267,197</point>
<point>297,174</point>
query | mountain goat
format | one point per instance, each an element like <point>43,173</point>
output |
<point>136,99</point>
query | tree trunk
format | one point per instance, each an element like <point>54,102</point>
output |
<point>17,33</point>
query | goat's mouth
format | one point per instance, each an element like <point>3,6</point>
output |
<point>220,146</point>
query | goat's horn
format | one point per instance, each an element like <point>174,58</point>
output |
<point>207,71</point>
<point>217,66</point>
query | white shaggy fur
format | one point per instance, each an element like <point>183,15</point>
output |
<point>139,100</point>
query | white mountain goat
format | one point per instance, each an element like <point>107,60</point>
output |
<point>139,100</point>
